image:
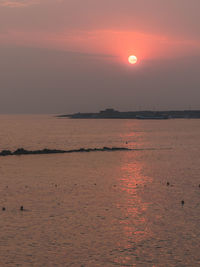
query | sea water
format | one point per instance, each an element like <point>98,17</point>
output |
<point>118,208</point>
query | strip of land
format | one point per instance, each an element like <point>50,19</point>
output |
<point>146,114</point>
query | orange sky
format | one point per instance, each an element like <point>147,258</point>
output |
<point>150,29</point>
<point>119,44</point>
<point>80,49</point>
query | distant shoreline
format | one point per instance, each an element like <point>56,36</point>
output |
<point>144,115</point>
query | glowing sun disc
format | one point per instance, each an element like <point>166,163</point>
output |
<point>132,59</point>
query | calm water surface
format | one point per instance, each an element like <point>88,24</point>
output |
<point>100,208</point>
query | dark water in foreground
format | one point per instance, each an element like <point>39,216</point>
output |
<point>100,208</point>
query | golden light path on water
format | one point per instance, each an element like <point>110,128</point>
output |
<point>133,221</point>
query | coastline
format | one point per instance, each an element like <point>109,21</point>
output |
<point>145,114</point>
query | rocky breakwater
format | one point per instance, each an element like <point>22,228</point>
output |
<point>22,151</point>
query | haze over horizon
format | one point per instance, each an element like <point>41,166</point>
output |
<point>69,56</point>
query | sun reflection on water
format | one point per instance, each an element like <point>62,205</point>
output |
<point>134,221</point>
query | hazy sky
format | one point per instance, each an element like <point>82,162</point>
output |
<point>62,56</point>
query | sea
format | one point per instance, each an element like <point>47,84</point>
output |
<point>100,208</point>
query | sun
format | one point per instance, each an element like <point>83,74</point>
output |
<point>132,59</point>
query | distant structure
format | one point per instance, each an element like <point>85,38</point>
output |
<point>111,113</point>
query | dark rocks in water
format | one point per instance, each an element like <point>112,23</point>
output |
<point>22,151</point>
<point>50,151</point>
<point>182,202</point>
<point>81,150</point>
<point>168,183</point>
<point>3,208</point>
<point>106,148</point>
<point>120,148</point>
<point>117,148</point>
<point>21,208</point>
<point>5,153</point>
